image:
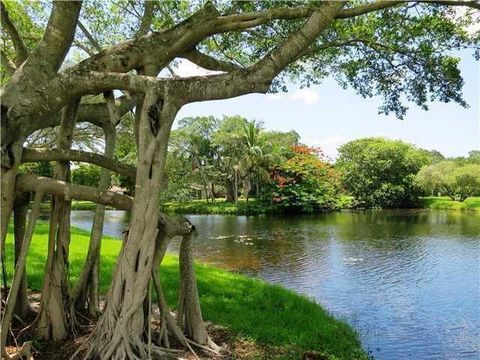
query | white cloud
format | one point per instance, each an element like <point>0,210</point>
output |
<point>308,96</point>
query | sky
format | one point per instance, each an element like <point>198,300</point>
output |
<point>328,116</point>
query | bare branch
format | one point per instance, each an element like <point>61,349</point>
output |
<point>367,8</point>
<point>7,64</point>
<point>40,154</point>
<point>475,4</point>
<point>7,24</point>
<point>87,50</point>
<point>208,62</point>
<point>89,36</point>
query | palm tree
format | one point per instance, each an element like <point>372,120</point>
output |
<point>253,164</point>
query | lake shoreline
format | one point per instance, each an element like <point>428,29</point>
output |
<point>221,207</point>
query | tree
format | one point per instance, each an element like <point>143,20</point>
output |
<point>304,183</point>
<point>380,172</point>
<point>453,178</point>
<point>193,140</point>
<point>254,163</point>
<point>392,49</point>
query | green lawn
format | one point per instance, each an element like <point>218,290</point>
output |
<point>445,203</point>
<point>253,310</point>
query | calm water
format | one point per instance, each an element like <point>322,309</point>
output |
<point>408,281</point>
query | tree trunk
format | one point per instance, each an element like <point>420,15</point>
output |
<point>19,271</point>
<point>86,290</point>
<point>20,209</point>
<point>119,332</point>
<point>189,312</point>
<point>229,191</point>
<point>10,159</point>
<point>55,317</point>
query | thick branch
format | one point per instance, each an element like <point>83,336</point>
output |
<point>7,24</point>
<point>255,18</point>
<point>59,34</point>
<point>208,62</point>
<point>34,155</point>
<point>258,77</point>
<point>168,225</point>
<point>72,191</point>
<point>96,114</point>
<point>149,7</point>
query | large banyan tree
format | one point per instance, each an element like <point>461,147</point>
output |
<point>56,57</point>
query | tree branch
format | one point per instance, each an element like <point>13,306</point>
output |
<point>20,48</point>
<point>258,77</point>
<point>149,7</point>
<point>47,185</point>
<point>168,225</point>
<point>37,154</point>
<point>59,34</point>
<point>475,4</point>
<point>89,36</point>
<point>367,8</point>
<point>208,62</point>
<point>7,64</point>
<point>255,18</point>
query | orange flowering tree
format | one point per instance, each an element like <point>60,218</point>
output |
<point>304,183</point>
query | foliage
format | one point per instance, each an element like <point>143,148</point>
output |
<point>253,310</point>
<point>86,174</point>
<point>42,168</point>
<point>304,182</point>
<point>380,172</point>
<point>453,178</point>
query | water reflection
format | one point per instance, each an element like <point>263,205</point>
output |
<point>407,280</point>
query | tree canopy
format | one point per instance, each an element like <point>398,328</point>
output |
<point>381,172</point>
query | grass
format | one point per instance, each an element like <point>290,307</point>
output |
<point>445,203</point>
<point>220,206</point>
<point>76,205</point>
<point>259,313</point>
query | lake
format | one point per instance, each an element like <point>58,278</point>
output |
<point>408,281</point>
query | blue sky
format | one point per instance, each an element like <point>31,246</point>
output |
<point>327,115</point>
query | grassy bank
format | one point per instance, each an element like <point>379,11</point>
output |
<point>219,206</point>
<point>255,312</point>
<point>445,203</point>
<point>76,205</point>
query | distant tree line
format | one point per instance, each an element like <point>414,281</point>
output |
<point>237,159</point>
